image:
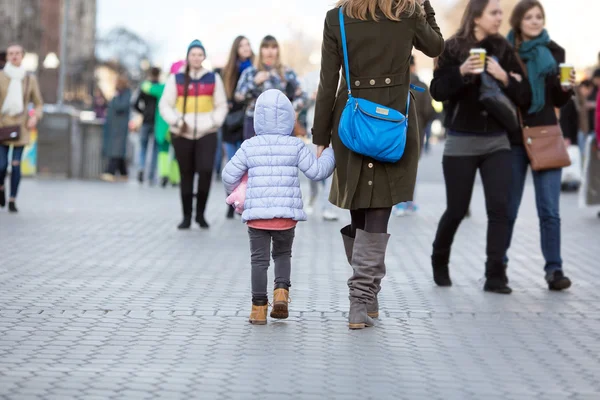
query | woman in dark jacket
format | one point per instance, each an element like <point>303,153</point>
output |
<point>380,37</point>
<point>116,131</point>
<point>541,56</point>
<point>241,58</point>
<point>476,141</point>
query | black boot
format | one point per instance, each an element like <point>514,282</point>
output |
<point>496,281</point>
<point>12,207</point>
<point>186,223</point>
<point>2,198</point>
<point>164,181</point>
<point>201,200</point>
<point>186,204</point>
<point>557,281</point>
<point>441,272</point>
<point>230,211</point>
<point>140,177</point>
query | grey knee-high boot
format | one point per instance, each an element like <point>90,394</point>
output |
<point>372,308</point>
<point>368,263</point>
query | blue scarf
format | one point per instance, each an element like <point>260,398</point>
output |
<point>244,65</point>
<point>540,63</point>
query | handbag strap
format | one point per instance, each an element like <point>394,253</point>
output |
<point>25,95</point>
<point>347,64</point>
<point>345,49</point>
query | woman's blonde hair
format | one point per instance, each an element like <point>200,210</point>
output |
<point>392,9</point>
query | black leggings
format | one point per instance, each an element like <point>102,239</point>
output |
<point>372,220</point>
<point>459,175</point>
<point>195,157</point>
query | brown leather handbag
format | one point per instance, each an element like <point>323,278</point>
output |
<point>545,147</point>
<point>13,132</point>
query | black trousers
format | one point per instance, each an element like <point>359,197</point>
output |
<point>195,157</point>
<point>459,175</point>
<point>115,164</point>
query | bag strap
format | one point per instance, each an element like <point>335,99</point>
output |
<point>27,77</point>
<point>345,48</point>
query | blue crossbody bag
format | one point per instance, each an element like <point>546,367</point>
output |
<point>369,128</point>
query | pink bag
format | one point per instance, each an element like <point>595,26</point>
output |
<point>176,66</point>
<point>238,196</point>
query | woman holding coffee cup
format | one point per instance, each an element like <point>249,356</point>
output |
<point>542,57</point>
<point>476,141</point>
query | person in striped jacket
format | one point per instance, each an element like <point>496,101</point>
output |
<point>194,105</point>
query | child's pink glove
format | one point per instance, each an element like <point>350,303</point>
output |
<point>238,196</point>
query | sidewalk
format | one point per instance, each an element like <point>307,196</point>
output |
<point>101,297</point>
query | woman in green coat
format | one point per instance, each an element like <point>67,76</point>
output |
<point>381,35</point>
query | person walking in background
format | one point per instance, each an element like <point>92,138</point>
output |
<point>476,141</point>
<point>319,190</point>
<point>273,203</point>
<point>574,120</point>
<point>194,105</point>
<point>17,90</point>
<point>241,57</point>
<point>541,55</point>
<point>426,114</point>
<point>146,105</point>
<point>168,170</point>
<point>381,35</point>
<point>116,132</point>
<point>269,73</point>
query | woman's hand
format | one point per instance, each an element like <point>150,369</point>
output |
<point>572,82</point>
<point>32,122</point>
<point>473,66</point>
<point>261,77</point>
<point>495,70</point>
<point>320,150</point>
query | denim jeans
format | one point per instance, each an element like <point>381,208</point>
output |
<point>146,133</point>
<point>15,171</point>
<point>547,198</point>
<point>231,148</point>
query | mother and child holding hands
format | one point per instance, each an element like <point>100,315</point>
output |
<point>370,122</point>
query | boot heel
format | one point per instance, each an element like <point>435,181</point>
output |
<point>281,298</point>
<point>357,326</point>
<point>280,311</point>
<point>374,314</point>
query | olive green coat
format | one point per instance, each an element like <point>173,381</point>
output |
<point>379,56</point>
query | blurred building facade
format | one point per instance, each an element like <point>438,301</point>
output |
<point>36,24</point>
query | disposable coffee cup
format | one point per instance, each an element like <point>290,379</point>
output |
<point>565,74</point>
<point>482,54</point>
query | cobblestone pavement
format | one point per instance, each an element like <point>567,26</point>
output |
<point>101,297</point>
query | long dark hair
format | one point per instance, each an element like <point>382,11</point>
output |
<point>230,71</point>
<point>462,41</point>
<point>518,13</point>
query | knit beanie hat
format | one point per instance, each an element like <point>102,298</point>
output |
<point>196,44</point>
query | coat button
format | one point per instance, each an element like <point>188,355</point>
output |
<point>388,80</point>
<point>370,183</point>
<point>370,165</point>
<point>372,82</point>
<point>357,83</point>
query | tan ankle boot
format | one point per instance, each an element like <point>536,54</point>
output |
<point>258,316</point>
<point>281,298</point>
